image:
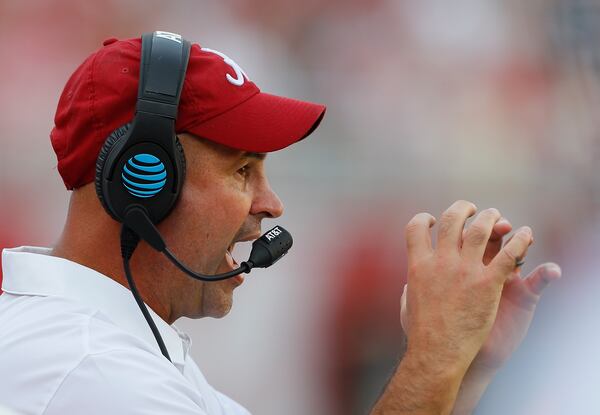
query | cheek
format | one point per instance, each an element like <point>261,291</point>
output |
<point>206,219</point>
<point>222,210</point>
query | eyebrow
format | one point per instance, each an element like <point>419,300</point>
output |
<point>251,154</point>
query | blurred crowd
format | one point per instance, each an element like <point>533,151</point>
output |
<point>429,101</point>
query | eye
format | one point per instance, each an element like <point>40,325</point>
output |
<point>244,171</point>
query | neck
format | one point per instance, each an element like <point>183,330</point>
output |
<point>91,239</point>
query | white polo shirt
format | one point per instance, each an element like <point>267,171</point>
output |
<point>74,341</point>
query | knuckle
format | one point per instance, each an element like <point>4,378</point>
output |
<point>465,204</point>
<point>509,256</point>
<point>461,206</point>
<point>415,222</point>
<point>462,202</point>
<point>416,267</point>
<point>523,236</point>
<point>411,227</point>
<point>477,234</point>
<point>492,212</point>
<point>521,241</point>
<point>445,225</point>
<point>449,215</point>
<point>456,205</point>
<point>448,263</point>
<point>463,270</point>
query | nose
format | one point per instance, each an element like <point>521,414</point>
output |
<point>266,202</point>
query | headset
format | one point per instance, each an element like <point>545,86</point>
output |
<point>141,167</point>
<point>142,164</point>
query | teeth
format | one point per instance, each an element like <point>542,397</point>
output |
<point>234,262</point>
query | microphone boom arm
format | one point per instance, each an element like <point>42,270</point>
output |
<point>266,250</point>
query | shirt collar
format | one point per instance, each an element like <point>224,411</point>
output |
<point>33,271</point>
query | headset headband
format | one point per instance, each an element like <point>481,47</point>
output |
<point>163,65</point>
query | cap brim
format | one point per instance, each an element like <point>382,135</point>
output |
<point>262,123</point>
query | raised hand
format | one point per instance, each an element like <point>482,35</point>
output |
<point>451,305</point>
<point>515,312</point>
<point>452,296</point>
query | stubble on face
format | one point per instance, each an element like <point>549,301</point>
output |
<point>213,211</point>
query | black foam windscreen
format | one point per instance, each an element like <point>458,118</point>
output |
<point>270,247</point>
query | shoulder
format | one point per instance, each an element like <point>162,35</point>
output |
<point>38,326</point>
<point>68,356</point>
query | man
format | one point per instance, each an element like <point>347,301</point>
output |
<point>73,339</point>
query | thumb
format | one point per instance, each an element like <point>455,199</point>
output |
<point>542,276</point>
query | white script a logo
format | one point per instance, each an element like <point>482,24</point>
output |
<point>169,36</point>
<point>239,72</point>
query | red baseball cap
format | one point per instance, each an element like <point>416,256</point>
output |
<point>218,102</point>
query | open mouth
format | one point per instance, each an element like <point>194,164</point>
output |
<point>232,263</point>
<point>229,251</point>
<point>229,255</point>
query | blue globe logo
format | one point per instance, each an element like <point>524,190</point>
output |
<point>144,176</point>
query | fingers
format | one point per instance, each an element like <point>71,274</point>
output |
<point>478,234</point>
<point>542,276</point>
<point>418,236</point>
<point>452,223</point>
<point>501,228</point>
<point>504,263</point>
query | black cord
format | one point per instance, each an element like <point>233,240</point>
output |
<point>138,223</point>
<point>129,242</point>
<point>244,267</point>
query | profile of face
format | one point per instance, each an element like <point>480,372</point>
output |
<point>224,198</point>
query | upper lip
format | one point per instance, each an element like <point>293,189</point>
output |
<point>250,237</point>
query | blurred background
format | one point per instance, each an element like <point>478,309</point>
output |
<point>429,101</point>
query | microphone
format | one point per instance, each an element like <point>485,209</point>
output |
<point>270,248</point>
<point>266,250</point>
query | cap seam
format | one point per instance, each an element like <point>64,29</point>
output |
<point>186,85</point>
<point>95,122</point>
<point>189,90</point>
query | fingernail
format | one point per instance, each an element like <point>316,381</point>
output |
<point>526,230</point>
<point>502,221</point>
<point>553,269</point>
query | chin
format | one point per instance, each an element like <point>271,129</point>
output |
<point>219,312</point>
<point>216,300</point>
<point>218,307</point>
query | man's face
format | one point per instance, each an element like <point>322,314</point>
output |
<point>224,198</point>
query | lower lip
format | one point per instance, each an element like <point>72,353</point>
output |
<point>238,280</point>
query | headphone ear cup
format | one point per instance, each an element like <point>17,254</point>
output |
<point>183,163</point>
<point>100,163</point>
